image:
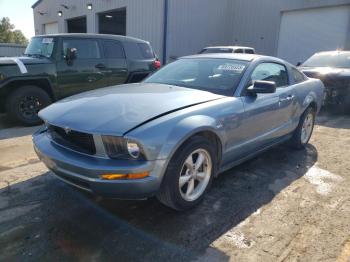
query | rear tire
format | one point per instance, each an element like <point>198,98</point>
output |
<point>180,177</point>
<point>303,132</point>
<point>24,103</point>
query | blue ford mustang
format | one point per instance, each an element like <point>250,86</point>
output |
<point>170,135</point>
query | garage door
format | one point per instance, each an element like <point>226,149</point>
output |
<point>51,28</point>
<point>302,33</point>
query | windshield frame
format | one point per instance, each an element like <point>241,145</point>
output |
<point>228,92</point>
<point>332,63</point>
<point>54,40</point>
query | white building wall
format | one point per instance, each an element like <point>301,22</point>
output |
<point>194,24</point>
<point>257,22</point>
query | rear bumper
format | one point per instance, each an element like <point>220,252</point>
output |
<point>84,171</point>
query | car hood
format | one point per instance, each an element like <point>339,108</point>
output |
<point>329,72</point>
<point>116,110</point>
<point>24,59</point>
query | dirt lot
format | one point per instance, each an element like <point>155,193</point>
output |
<point>284,205</point>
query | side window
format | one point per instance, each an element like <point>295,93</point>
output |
<point>86,48</point>
<point>271,72</point>
<point>240,51</point>
<point>113,49</point>
<point>249,51</point>
<point>298,76</point>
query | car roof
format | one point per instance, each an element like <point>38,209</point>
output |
<point>333,52</point>
<point>229,46</point>
<point>233,56</point>
<point>99,36</point>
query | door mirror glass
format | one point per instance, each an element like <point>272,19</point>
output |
<point>262,87</point>
<point>71,54</point>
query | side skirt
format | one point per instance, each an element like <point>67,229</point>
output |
<point>252,155</point>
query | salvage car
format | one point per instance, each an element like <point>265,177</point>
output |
<point>57,66</point>
<point>333,68</point>
<point>170,135</point>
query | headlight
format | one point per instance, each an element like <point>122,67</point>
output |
<point>121,148</point>
<point>133,149</point>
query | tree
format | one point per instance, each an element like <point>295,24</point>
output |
<point>9,35</point>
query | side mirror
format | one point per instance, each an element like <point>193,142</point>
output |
<point>299,64</point>
<point>71,54</point>
<point>262,87</point>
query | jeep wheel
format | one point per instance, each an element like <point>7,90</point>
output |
<point>24,104</point>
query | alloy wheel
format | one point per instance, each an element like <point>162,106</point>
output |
<point>195,174</point>
<point>307,127</point>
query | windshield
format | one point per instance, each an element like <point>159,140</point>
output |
<point>40,46</point>
<point>334,59</point>
<point>220,76</point>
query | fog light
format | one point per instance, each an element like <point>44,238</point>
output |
<point>133,149</point>
<point>124,176</point>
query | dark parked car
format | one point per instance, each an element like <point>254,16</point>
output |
<point>172,134</point>
<point>57,66</point>
<point>228,49</point>
<point>333,68</point>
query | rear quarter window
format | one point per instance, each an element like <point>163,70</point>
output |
<point>139,51</point>
<point>146,51</point>
<point>297,76</point>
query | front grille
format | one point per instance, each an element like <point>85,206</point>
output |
<point>77,141</point>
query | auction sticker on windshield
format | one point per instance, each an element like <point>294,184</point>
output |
<point>238,68</point>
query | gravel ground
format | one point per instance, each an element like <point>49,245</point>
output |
<point>284,205</point>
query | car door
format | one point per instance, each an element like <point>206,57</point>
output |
<point>84,72</point>
<point>266,115</point>
<point>115,62</point>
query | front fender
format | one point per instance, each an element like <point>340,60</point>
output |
<point>161,138</point>
<point>185,129</point>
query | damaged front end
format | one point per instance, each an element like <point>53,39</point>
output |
<point>337,92</point>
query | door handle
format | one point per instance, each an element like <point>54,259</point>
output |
<point>91,79</point>
<point>288,98</point>
<point>100,66</point>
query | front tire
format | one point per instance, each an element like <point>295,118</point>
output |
<point>302,134</point>
<point>24,103</point>
<point>189,174</point>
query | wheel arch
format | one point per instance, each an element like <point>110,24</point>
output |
<point>43,83</point>
<point>188,129</point>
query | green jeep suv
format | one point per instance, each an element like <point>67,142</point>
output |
<point>57,66</point>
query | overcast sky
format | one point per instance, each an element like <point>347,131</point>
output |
<point>20,14</point>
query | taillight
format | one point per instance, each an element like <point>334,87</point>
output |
<point>156,64</point>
